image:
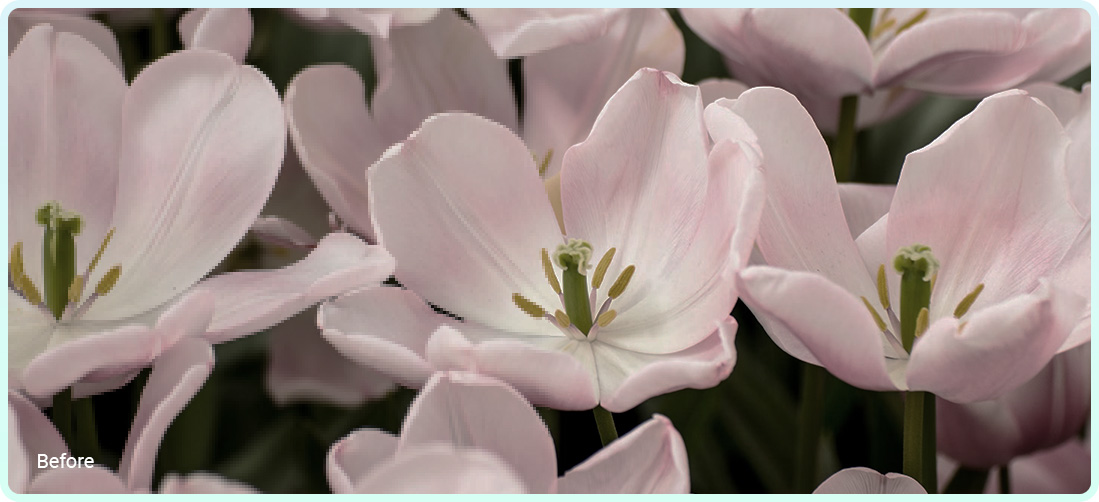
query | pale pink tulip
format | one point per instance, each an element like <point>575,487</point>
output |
<point>1044,412</point>
<point>1062,469</point>
<point>820,55</point>
<point>467,433</point>
<point>70,20</point>
<point>645,182</point>
<point>989,197</point>
<point>225,30</point>
<point>175,378</point>
<point>375,22</point>
<point>337,136</point>
<point>165,175</point>
<point>854,480</point>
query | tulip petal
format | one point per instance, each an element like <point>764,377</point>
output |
<point>384,329</point>
<point>988,198</point>
<point>863,480</point>
<point>67,98</point>
<point>203,482</point>
<point>305,367</point>
<point>30,434</point>
<point>479,224</point>
<point>204,141</point>
<point>628,378</point>
<point>804,209</point>
<point>247,302</point>
<point>714,89</point>
<point>282,232</point>
<point>335,138</point>
<point>650,459</point>
<point>29,332</point>
<point>93,479</point>
<point>418,76</point>
<point>821,323</point>
<point>380,22</point>
<point>1078,158</point>
<point>20,21</point>
<point>1065,469</point>
<point>441,468</point>
<point>97,351</point>
<point>998,349</point>
<point>477,412</point>
<point>863,205</point>
<point>521,32</point>
<point>523,362</point>
<point>176,377</point>
<point>225,30</point>
<point>565,88</point>
<point>355,456</point>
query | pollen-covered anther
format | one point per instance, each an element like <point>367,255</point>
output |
<point>601,268</point>
<point>968,301</point>
<point>606,318</point>
<point>532,309</point>
<point>99,254</point>
<point>562,318</point>
<point>883,288</point>
<point>17,276</point>
<point>874,313</point>
<point>76,289</point>
<point>106,284</point>
<point>921,321</point>
<point>551,276</point>
<point>621,282</point>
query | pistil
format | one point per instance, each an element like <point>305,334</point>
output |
<point>58,254</point>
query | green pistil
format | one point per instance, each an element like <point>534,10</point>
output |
<point>863,18</point>
<point>917,266</point>
<point>58,254</point>
<point>574,286</point>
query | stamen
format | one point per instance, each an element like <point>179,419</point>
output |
<point>108,281</point>
<point>28,290</point>
<point>76,289</point>
<point>15,262</point>
<point>917,266</point>
<point>601,268</point>
<point>17,276</point>
<point>532,309</point>
<point>963,306</point>
<point>550,275</point>
<point>99,254</point>
<point>620,284</point>
<point>921,322</point>
<point>874,313</point>
<point>882,27</point>
<point>544,165</point>
<point>606,318</point>
<point>883,287</point>
<point>912,22</point>
<point>562,318</point>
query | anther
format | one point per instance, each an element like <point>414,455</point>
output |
<point>550,275</point>
<point>912,22</point>
<point>76,289</point>
<point>601,268</point>
<point>544,165</point>
<point>99,254</point>
<point>963,306</point>
<point>882,27</point>
<point>604,319</point>
<point>532,309</point>
<point>620,284</point>
<point>15,262</point>
<point>883,288</point>
<point>108,281</point>
<point>921,322</point>
<point>562,318</point>
<point>874,313</point>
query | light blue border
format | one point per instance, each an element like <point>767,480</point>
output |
<point>9,6</point>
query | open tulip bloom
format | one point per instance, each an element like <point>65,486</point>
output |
<point>980,223</point>
<point>623,295</point>
<point>127,196</point>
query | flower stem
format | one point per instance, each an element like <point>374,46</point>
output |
<point>1005,479</point>
<point>844,148</point>
<point>62,415</point>
<point>967,480</point>
<point>605,422</point>
<point>159,34</point>
<point>87,438</point>
<point>810,421</point>
<point>919,439</point>
<point>863,18</point>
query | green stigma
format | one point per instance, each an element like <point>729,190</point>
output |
<point>576,254</point>
<point>58,253</point>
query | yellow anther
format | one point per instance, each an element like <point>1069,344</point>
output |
<point>933,279</point>
<point>912,22</point>
<point>963,306</point>
<point>601,268</point>
<point>882,27</point>
<point>562,318</point>
<point>620,284</point>
<point>532,309</point>
<point>550,275</point>
<point>29,290</point>
<point>544,165</point>
<point>76,289</point>
<point>108,281</point>
<point>15,263</point>
<point>874,313</point>
<point>921,321</point>
<point>883,288</point>
<point>605,318</point>
<point>99,254</point>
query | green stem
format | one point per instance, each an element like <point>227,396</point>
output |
<point>574,287</point>
<point>62,414</point>
<point>1005,480</point>
<point>919,439</point>
<point>967,480</point>
<point>87,438</point>
<point>605,422</point>
<point>863,18</point>
<point>810,421</point>
<point>844,148</point>
<point>160,34</point>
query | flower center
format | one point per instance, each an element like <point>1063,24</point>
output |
<point>889,26</point>
<point>580,319</point>
<point>62,286</point>
<point>919,269</point>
